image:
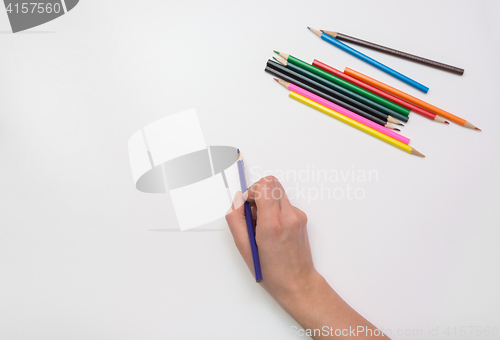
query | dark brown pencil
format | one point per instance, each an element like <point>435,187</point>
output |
<point>344,37</point>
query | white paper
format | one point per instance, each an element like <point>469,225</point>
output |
<point>172,151</point>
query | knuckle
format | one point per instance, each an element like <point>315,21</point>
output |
<point>261,181</point>
<point>271,180</point>
<point>293,220</point>
<point>274,225</point>
<point>277,193</point>
<point>302,215</point>
<point>255,187</point>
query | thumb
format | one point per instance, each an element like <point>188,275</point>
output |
<point>236,221</point>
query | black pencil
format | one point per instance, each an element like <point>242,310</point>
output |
<point>404,55</point>
<point>343,90</point>
<point>331,92</point>
<point>335,90</point>
<point>330,98</point>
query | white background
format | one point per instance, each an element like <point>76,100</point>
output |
<point>80,254</point>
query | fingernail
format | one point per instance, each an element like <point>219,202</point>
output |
<point>245,195</point>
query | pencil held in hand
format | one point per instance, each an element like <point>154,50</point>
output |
<point>249,220</point>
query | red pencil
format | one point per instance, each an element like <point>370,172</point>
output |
<point>379,92</point>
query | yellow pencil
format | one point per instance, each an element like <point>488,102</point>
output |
<point>354,123</point>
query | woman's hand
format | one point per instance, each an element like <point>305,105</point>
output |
<point>287,267</point>
<point>281,236</point>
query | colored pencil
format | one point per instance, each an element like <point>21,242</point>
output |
<point>373,62</point>
<point>379,92</point>
<point>330,98</point>
<point>343,111</point>
<point>345,84</point>
<point>404,55</point>
<point>409,98</point>
<point>354,123</point>
<point>342,89</point>
<point>249,220</point>
<point>355,99</point>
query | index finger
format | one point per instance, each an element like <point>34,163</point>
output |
<point>267,194</point>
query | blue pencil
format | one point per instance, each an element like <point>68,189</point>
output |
<point>248,217</point>
<point>369,60</point>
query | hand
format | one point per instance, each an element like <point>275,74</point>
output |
<point>287,267</point>
<point>281,237</point>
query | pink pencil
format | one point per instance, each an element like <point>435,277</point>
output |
<point>343,111</point>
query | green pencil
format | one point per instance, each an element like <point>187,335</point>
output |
<point>353,95</point>
<point>343,83</point>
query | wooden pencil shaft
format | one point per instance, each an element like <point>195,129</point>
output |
<point>408,98</point>
<point>374,89</point>
<point>347,85</point>
<point>401,54</point>
<point>350,122</point>
<point>326,90</point>
<point>340,110</point>
<point>249,220</point>
<point>352,51</point>
<point>347,92</point>
<point>325,96</point>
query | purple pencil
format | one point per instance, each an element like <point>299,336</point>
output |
<point>248,217</point>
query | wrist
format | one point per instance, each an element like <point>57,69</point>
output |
<point>303,292</point>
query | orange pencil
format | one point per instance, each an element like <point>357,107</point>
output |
<point>409,98</point>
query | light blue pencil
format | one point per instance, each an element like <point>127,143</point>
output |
<point>369,60</point>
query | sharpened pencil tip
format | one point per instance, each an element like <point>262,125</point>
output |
<point>446,122</point>
<point>238,151</point>
<point>276,52</point>
<point>415,152</point>
<point>479,129</point>
<point>315,31</point>
<point>276,80</point>
<point>308,27</point>
<point>281,61</point>
<point>397,129</point>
